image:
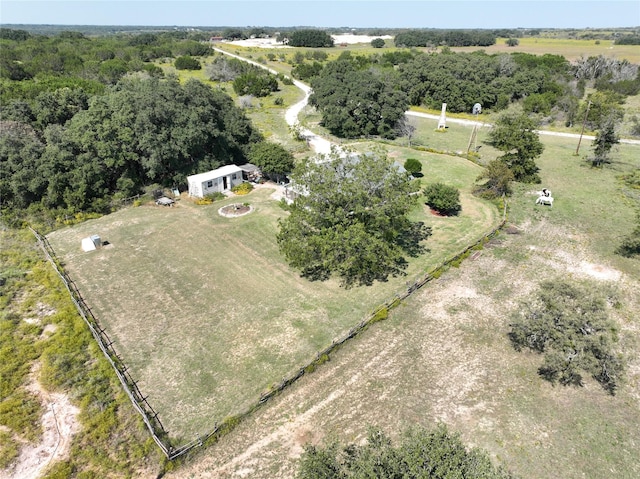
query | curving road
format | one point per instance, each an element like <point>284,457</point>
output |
<point>323,146</point>
<point>319,144</point>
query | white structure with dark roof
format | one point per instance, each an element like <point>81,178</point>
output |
<point>214,181</point>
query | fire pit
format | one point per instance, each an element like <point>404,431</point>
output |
<point>235,209</point>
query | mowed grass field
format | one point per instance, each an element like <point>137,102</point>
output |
<point>571,49</point>
<point>206,313</point>
<point>444,354</point>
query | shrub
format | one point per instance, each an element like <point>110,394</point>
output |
<point>635,126</point>
<point>210,198</point>
<point>377,43</point>
<point>630,246</point>
<point>255,84</point>
<point>443,198</point>
<point>420,452</point>
<point>381,315</point>
<point>187,63</point>
<point>568,323</point>
<point>498,178</point>
<point>413,166</point>
<point>242,189</point>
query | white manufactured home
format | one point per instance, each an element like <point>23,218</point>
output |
<point>214,181</point>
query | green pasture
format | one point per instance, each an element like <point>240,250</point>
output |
<point>571,49</point>
<point>444,354</point>
<point>206,313</point>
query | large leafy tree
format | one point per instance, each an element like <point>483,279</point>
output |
<point>569,324</point>
<point>357,102</point>
<point>420,453</point>
<point>350,219</point>
<point>273,159</point>
<point>20,152</point>
<point>514,134</point>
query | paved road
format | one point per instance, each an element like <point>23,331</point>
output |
<point>541,132</point>
<point>322,145</point>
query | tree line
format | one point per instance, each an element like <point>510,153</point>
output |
<point>105,59</point>
<point>545,85</point>
<point>451,38</point>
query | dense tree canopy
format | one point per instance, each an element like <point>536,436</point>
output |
<point>273,159</point>
<point>310,38</point>
<point>451,38</point>
<point>420,453</point>
<point>350,219</point>
<point>102,58</point>
<point>305,71</point>
<point>356,102</point>
<point>514,134</point>
<point>141,132</point>
<point>257,84</point>
<point>463,79</point>
<point>569,323</point>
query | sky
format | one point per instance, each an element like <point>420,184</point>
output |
<point>327,13</point>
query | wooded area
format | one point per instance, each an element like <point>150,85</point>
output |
<point>89,119</point>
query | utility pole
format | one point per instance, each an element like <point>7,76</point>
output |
<point>583,123</point>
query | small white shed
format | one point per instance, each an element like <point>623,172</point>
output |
<point>219,180</point>
<point>91,243</point>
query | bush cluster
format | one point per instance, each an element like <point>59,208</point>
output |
<point>443,198</point>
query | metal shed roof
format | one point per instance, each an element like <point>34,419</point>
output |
<point>217,173</point>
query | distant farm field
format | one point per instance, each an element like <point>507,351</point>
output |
<point>571,49</point>
<point>205,312</point>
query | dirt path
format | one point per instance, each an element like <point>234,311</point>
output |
<point>59,424</point>
<point>317,143</point>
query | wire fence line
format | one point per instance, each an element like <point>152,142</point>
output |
<point>150,416</point>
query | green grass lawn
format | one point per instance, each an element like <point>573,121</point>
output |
<point>444,354</point>
<point>206,313</point>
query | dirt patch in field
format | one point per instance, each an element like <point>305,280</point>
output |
<point>59,424</point>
